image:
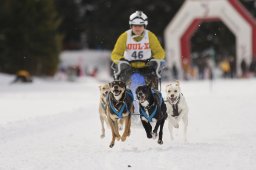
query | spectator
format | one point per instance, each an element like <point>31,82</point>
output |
<point>201,64</point>
<point>232,64</point>
<point>225,67</point>
<point>23,76</point>
<point>244,68</point>
<point>252,67</point>
<point>94,72</point>
<point>174,72</point>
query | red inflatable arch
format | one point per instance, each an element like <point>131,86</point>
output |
<point>193,12</point>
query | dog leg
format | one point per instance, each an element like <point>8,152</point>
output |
<point>185,122</point>
<point>129,120</point>
<point>106,121</point>
<point>116,130</point>
<point>160,139</point>
<point>102,127</point>
<point>111,123</point>
<point>148,128</point>
<point>126,129</point>
<point>129,125</point>
<point>154,134</point>
<point>170,126</point>
<point>174,122</point>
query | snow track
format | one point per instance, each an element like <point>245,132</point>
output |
<point>55,126</point>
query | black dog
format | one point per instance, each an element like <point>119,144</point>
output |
<point>152,107</point>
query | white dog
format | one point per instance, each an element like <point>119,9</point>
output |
<point>177,108</point>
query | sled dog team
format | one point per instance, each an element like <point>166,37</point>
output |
<point>116,107</point>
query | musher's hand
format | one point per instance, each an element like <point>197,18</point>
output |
<point>123,59</point>
<point>151,63</point>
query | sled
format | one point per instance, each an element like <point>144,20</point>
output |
<point>134,77</point>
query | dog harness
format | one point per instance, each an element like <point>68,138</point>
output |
<point>124,107</point>
<point>103,105</point>
<point>152,115</point>
<point>175,107</point>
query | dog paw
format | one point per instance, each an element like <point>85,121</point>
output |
<point>149,135</point>
<point>118,138</point>
<point>154,135</point>
<point>111,145</point>
<point>129,132</point>
<point>123,138</point>
<point>160,142</point>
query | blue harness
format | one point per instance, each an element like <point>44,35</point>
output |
<point>124,106</point>
<point>152,115</point>
<point>103,105</point>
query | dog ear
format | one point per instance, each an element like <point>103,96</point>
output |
<point>107,85</point>
<point>177,83</point>
<point>123,84</point>
<point>137,89</point>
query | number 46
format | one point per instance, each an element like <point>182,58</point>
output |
<point>137,54</point>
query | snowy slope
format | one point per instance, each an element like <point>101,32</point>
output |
<point>55,126</point>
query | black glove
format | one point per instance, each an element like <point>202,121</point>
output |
<point>151,64</point>
<point>123,59</point>
<point>148,60</point>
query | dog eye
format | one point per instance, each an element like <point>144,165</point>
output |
<point>175,91</point>
<point>169,91</point>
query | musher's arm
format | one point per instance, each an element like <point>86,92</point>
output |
<point>156,48</point>
<point>119,49</point>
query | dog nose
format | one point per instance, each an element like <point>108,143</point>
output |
<point>140,93</point>
<point>172,95</point>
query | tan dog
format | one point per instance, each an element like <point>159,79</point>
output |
<point>104,90</point>
<point>119,109</point>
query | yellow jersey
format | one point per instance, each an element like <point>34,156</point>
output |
<point>121,47</point>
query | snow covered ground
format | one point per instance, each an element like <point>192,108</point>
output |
<point>52,125</point>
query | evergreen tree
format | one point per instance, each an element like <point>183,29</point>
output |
<point>105,20</point>
<point>70,12</point>
<point>29,37</point>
